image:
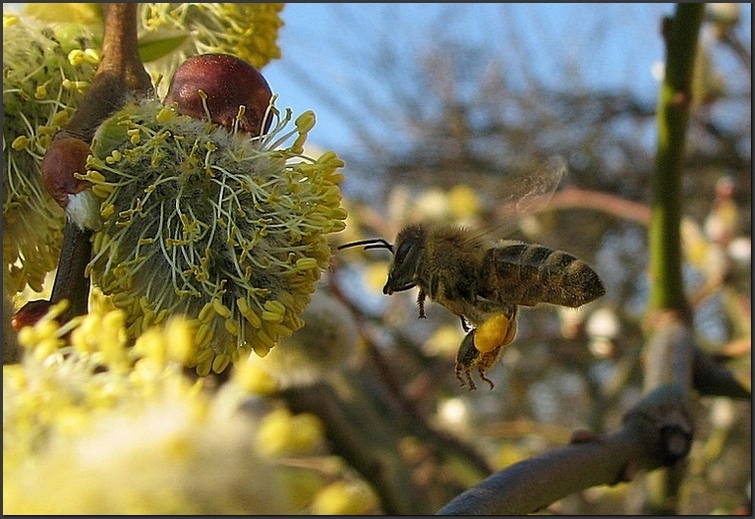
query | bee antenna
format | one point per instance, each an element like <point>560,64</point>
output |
<point>372,243</point>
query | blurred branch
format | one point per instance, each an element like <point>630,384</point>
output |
<point>713,379</point>
<point>655,433</point>
<point>742,52</point>
<point>119,75</point>
<point>577,198</point>
<point>668,352</point>
<point>368,417</point>
<point>70,281</point>
<point>368,432</point>
<point>367,442</point>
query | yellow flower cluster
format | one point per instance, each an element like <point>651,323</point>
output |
<point>44,76</point>
<point>211,224</point>
<point>321,350</point>
<point>57,377</point>
<point>93,426</point>
<point>247,31</point>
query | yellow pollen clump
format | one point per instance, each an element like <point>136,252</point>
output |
<point>495,331</point>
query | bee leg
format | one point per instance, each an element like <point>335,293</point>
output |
<point>467,374</point>
<point>457,372</point>
<point>481,371</point>
<point>421,303</point>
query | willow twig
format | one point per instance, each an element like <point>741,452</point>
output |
<point>119,75</point>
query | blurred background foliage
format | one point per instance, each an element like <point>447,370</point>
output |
<point>463,121</point>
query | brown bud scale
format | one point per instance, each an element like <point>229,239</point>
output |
<point>227,82</point>
<point>65,156</point>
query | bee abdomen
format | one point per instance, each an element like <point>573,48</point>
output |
<point>529,274</point>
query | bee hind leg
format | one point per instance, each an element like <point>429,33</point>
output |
<point>481,371</point>
<point>467,375</point>
<point>421,303</point>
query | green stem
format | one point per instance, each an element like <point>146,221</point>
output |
<point>681,35</point>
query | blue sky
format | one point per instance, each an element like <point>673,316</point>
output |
<point>313,34</point>
<point>619,54</point>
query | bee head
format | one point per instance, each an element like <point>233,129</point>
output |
<point>407,253</point>
<point>406,259</point>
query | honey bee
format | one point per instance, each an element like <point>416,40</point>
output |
<point>483,283</point>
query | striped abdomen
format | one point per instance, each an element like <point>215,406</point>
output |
<point>526,274</point>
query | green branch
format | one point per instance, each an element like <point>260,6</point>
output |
<point>681,35</point>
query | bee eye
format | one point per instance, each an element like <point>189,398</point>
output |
<point>403,249</point>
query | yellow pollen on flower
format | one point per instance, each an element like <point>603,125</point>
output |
<point>86,336</point>
<point>275,307</point>
<point>92,176</point>
<point>102,190</point>
<point>220,308</point>
<point>165,115</point>
<point>220,362</point>
<point>92,56</point>
<point>204,335</point>
<point>35,105</point>
<point>251,378</point>
<point>76,57</point>
<point>228,232</point>
<point>60,118</point>
<point>307,263</point>
<point>206,313</point>
<point>152,344</point>
<point>305,122</point>
<point>271,317</point>
<point>46,130</point>
<point>20,142</point>
<point>114,157</point>
<point>204,366</point>
<point>9,20</point>
<point>135,135</point>
<point>232,326</point>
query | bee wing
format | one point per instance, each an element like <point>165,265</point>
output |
<point>526,193</point>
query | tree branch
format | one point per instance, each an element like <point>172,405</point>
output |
<point>119,75</point>
<point>657,432</point>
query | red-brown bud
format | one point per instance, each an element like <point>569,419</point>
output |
<point>65,156</point>
<point>30,313</point>
<point>228,82</point>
